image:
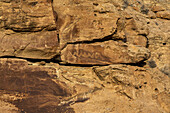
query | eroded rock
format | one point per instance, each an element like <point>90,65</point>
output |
<point>101,53</point>
<point>84,31</point>
<point>138,88</point>
<point>28,29</point>
<point>32,88</point>
<point>85,20</point>
<point>27,15</point>
<point>38,45</point>
<point>163,14</point>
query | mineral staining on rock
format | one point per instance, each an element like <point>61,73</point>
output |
<point>66,43</point>
<point>84,20</point>
<point>38,45</point>
<point>28,29</point>
<point>101,53</point>
<point>27,15</point>
<point>31,88</point>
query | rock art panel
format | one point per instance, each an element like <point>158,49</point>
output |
<point>75,40</point>
<point>85,20</point>
<point>101,53</point>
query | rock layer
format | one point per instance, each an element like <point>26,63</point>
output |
<point>39,45</point>
<point>85,20</point>
<point>65,45</point>
<point>109,52</point>
<point>31,88</point>
<point>26,15</point>
<point>28,29</point>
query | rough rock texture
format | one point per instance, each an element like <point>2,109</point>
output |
<point>109,52</point>
<point>26,15</point>
<point>84,56</point>
<point>28,29</point>
<point>31,88</point>
<point>85,20</point>
<point>39,45</point>
<point>163,14</point>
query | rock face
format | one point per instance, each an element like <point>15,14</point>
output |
<point>84,56</point>
<point>126,88</point>
<point>39,45</point>
<point>163,14</point>
<point>85,20</point>
<point>27,15</point>
<point>28,29</point>
<point>31,87</point>
<point>109,52</point>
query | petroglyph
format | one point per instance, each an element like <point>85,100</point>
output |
<point>109,52</point>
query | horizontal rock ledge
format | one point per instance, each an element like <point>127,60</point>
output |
<point>102,53</point>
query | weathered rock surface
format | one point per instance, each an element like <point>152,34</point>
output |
<point>65,43</point>
<point>126,88</point>
<point>85,20</point>
<point>20,22</point>
<point>26,15</point>
<point>163,14</point>
<point>32,89</point>
<point>56,89</point>
<point>6,107</point>
<point>39,45</point>
<point>134,31</point>
<point>109,52</point>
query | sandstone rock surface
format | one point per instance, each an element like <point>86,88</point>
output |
<point>163,14</point>
<point>31,88</point>
<point>109,52</point>
<point>85,20</point>
<point>28,29</point>
<point>55,88</point>
<point>84,56</point>
<point>39,45</point>
<point>26,15</point>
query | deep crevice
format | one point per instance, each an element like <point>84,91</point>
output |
<point>30,30</point>
<point>82,65</point>
<point>29,59</point>
<point>107,38</point>
<point>57,59</point>
<point>147,43</point>
<point>138,64</point>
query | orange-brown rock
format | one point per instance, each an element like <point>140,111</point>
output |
<point>81,79</point>
<point>38,45</point>
<point>135,87</point>
<point>109,52</point>
<point>85,20</point>
<point>26,15</point>
<point>157,8</point>
<point>65,44</point>
<point>152,15</point>
<point>28,29</point>
<point>133,30</point>
<point>57,89</point>
<point>163,14</point>
<point>31,88</point>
